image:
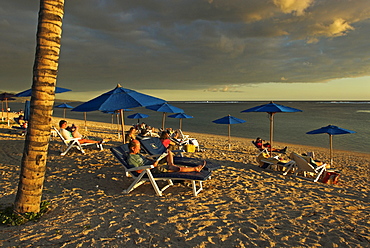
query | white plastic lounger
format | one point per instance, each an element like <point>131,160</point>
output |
<point>73,143</point>
<point>303,166</point>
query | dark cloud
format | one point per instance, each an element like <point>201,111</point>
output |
<point>184,44</point>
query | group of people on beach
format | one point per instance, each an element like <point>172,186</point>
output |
<point>168,139</point>
<point>134,158</point>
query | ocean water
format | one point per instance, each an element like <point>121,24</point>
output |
<point>288,127</point>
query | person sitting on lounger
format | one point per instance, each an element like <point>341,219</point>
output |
<point>131,135</point>
<point>67,135</point>
<point>260,145</point>
<point>136,159</point>
<point>165,139</point>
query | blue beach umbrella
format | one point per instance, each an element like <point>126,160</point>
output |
<point>272,108</point>
<point>331,130</point>
<point>138,116</point>
<point>118,99</point>
<point>181,116</point>
<point>29,92</point>
<point>229,120</point>
<point>165,108</point>
<point>65,106</point>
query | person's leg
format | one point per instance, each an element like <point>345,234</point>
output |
<point>83,141</point>
<point>176,168</point>
<point>170,158</point>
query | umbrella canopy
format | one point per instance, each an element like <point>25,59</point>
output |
<point>272,108</point>
<point>29,92</point>
<point>229,120</point>
<point>27,110</point>
<point>165,108</point>
<point>118,99</point>
<point>64,106</point>
<point>331,130</point>
<point>138,116</point>
<point>6,97</point>
<point>181,116</point>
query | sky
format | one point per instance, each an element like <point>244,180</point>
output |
<point>190,50</point>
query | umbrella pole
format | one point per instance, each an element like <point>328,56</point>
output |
<point>2,110</point>
<point>7,112</point>
<point>180,124</point>
<point>112,126</point>
<point>123,125</point>
<point>331,149</point>
<point>271,131</point>
<point>163,120</point>
<point>85,121</point>
<point>64,113</point>
<point>229,135</point>
<point>118,127</point>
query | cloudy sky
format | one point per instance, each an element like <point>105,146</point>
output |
<point>199,49</point>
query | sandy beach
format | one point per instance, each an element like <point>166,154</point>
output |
<point>242,205</point>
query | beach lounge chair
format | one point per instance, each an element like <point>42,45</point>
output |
<point>146,175</point>
<point>73,143</point>
<point>180,160</point>
<point>186,140</point>
<point>303,166</point>
<point>272,163</point>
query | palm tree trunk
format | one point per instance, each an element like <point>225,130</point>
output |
<point>33,165</point>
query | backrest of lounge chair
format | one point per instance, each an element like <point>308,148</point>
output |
<point>120,152</point>
<point>60,136</point>
<point>152,145</point>
<point>182,136</point>
<point>302,164</point>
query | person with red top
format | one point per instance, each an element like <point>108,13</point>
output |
<point>165,138</point>
<point>260,145</point>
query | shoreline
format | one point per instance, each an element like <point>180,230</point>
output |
<point>242,205</point>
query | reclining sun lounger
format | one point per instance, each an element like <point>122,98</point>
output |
<point>267,162</point>
<point>146,175</point>
<point>73,143</point>
<point>303,166</point>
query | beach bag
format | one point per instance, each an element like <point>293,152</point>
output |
<point>331,177</point>
<point>189,148</point>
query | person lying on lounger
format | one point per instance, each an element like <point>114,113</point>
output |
<point>260,145</point>
<point>67,135</point>
<point>164,165</point>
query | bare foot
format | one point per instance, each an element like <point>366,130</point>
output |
<point>200,167</point>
